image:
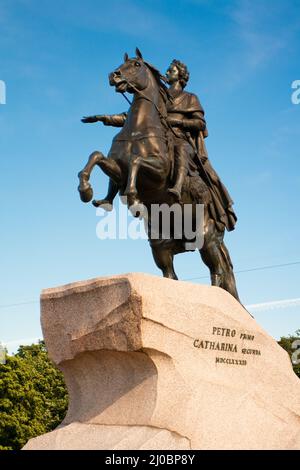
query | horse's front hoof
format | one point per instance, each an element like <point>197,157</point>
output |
<point>84,188</point>
<point>86,194</point>
<point>136,211</point>
<point>136,208</point>
<point>104,204</point>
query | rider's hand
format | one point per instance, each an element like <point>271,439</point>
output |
<point>89,119</point>
<point>174,121</point>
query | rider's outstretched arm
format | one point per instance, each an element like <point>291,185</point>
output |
<point>116,120</point>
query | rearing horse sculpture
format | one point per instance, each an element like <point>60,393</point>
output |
<point>140,167</point>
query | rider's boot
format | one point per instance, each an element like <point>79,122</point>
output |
<point>177,188</point>
<point>107,202</point>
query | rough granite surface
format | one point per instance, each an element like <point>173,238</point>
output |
<point>152,363</point>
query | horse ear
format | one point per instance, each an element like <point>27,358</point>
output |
<point>138,53</point>
<point>126,57</point>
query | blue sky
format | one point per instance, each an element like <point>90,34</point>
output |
<point>55,57</point>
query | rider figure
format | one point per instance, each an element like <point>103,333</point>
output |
<point>186,116</point>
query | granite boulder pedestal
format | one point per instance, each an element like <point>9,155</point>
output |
<point>152,363</point>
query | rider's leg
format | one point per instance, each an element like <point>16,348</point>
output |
<point>180,171</point>
<point>107,202</point>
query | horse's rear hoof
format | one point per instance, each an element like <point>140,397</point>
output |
<point>86,195</point>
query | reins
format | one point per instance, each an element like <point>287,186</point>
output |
<point>162,117</point>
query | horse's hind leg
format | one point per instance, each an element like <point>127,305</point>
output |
<point>211,256</point>
<point>164,261</point>
<point>228,282</point>
<point>216,257</point>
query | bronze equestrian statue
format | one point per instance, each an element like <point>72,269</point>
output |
<point>159,157</point>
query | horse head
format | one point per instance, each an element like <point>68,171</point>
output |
<point>133,75</point>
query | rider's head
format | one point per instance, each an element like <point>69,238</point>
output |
<point>178,71</point>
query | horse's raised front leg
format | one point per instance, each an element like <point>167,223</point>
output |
<point>107,202</point>
<point>154,166</point>
<point>109,166</point>
<point>84,188</point>
<point>131,191</point>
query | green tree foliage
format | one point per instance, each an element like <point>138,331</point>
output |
<point>288,343</point>
<point>33,397</point>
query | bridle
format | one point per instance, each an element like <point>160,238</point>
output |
<point>162,117</point>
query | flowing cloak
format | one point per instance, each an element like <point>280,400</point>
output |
<point>186,104</point>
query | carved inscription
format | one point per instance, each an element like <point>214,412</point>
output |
<point>228,340</point>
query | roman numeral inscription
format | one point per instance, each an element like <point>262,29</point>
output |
<point>228,340</point>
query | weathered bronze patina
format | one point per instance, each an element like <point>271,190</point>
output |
<point>159,156</point>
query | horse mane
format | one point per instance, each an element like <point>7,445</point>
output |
<point>160,79</point>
